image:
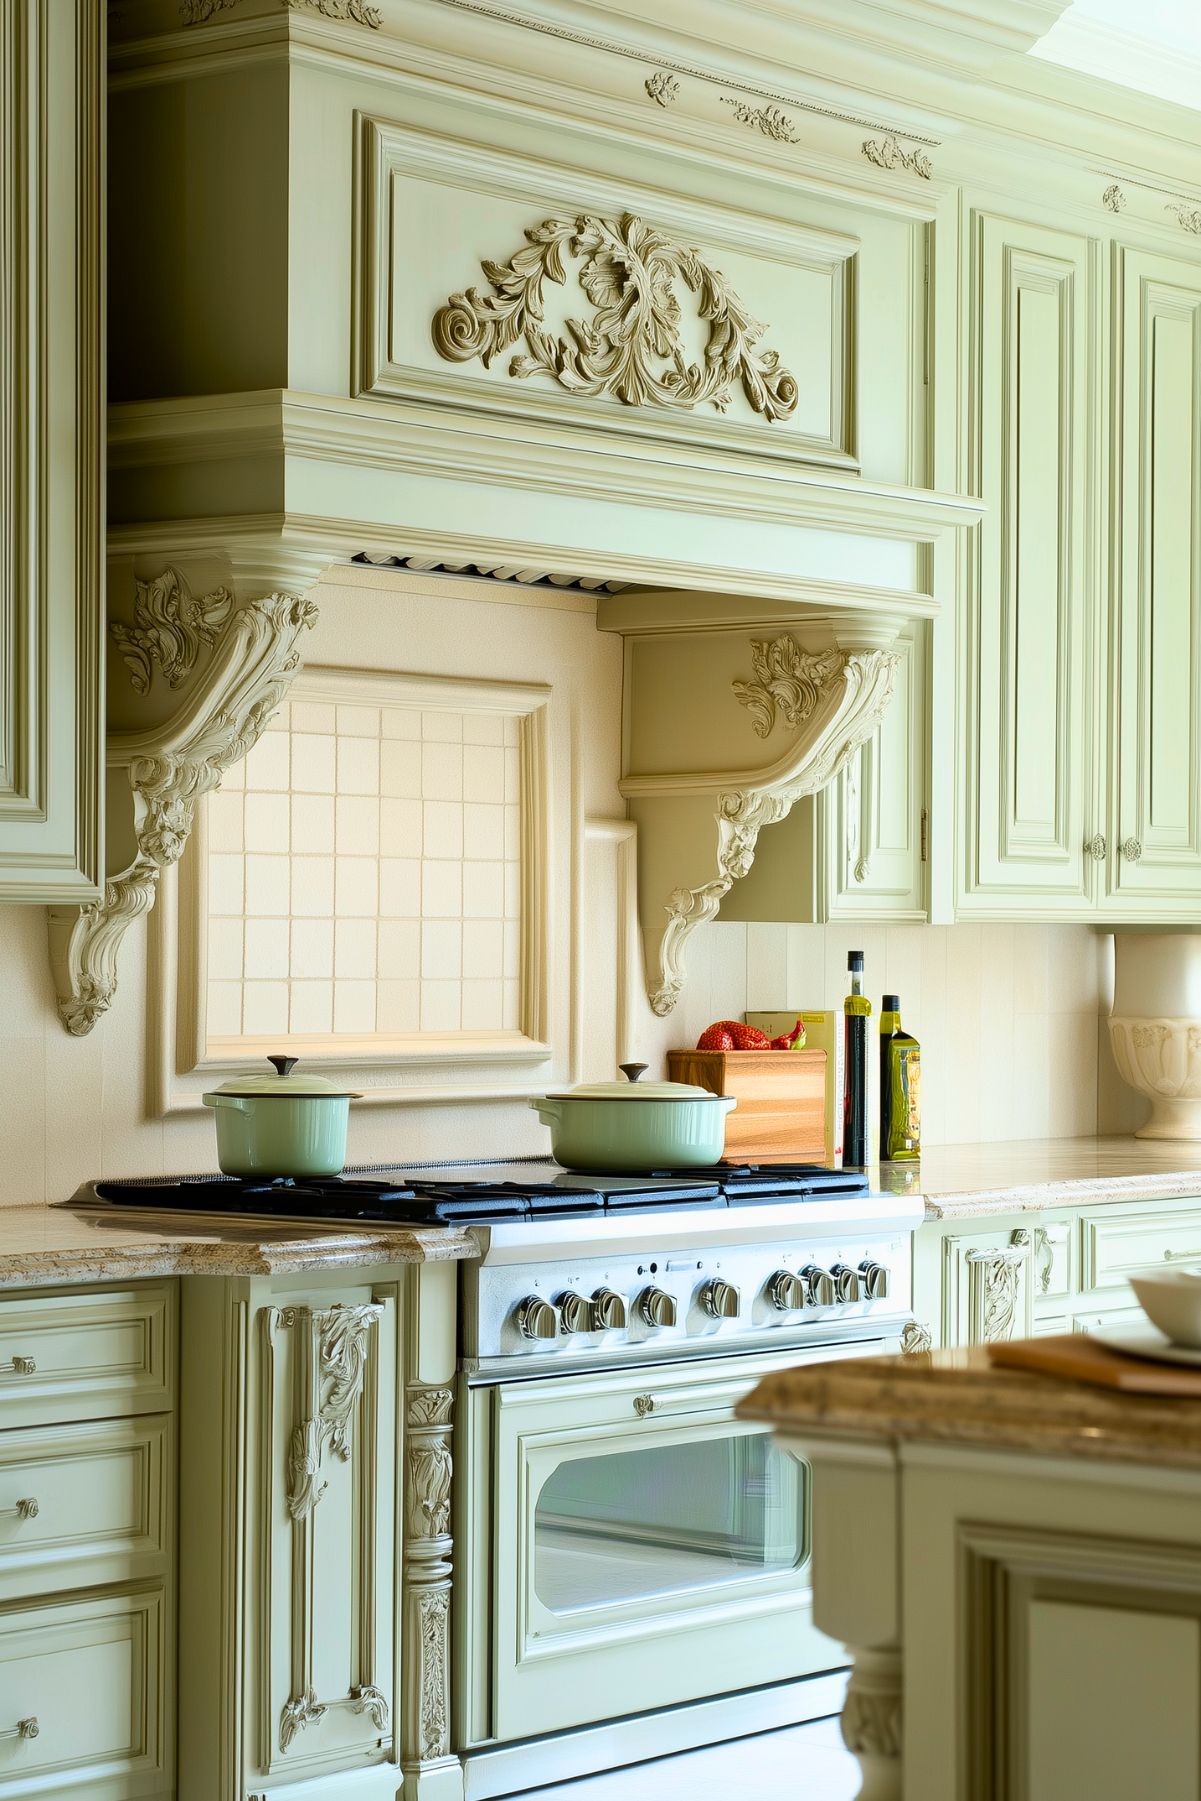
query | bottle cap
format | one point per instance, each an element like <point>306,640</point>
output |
<point>891,1003</point>
<point>855,960</point>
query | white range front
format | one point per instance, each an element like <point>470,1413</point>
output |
<point>628,1545</point>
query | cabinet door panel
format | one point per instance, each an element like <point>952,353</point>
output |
<point>1027,647</point>
<point>51,450</point>
<point>1157,459</point>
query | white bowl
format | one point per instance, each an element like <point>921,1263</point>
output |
<point>1171,1300</point>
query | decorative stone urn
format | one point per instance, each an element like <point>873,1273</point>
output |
<point>1155,1027</point>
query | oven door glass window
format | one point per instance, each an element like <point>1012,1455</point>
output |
<point>667,1519</point>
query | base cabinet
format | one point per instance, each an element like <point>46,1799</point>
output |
<point>1024,1274</point>
<point>315,1537</point>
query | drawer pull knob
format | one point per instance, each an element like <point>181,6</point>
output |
<point>25,1510</point>
<point>23,1729</point>
<point>1132,850</point>
<point>644,1404</point>
<point>23,1366</point>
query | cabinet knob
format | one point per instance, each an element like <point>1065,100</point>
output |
<point>786,1292</point>
<point>657,1307</point>
<point>27,1509</point>
<point>1096,847</point>
<point>720,1299</point>
<point>1132,850</point>
<point>22,1366</point>
<point>575,1311</point>
<point>28,1728</point>
<point>536,1318</point>
<point>608,1309</point>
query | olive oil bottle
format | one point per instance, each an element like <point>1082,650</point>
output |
<point>900,1087</point>
<point>857,1010</point>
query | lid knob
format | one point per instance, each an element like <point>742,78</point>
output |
<point>632,1071</point>
<point>284,1065</point>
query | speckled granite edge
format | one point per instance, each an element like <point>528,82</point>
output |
<point>959,1397</point>
<point>42,1246</point>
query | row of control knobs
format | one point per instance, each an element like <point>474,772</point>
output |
<point>787,1291</point>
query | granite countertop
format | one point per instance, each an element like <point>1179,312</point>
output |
<point>959,1397</point>
<point>43,1245</point>
<point>971,1181</point>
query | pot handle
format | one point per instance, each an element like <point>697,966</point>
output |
<point>549,1112</point>
<point>632,1071</point>
<point>225,1100</point>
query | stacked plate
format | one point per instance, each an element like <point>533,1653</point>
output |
<point>1171,1332</point>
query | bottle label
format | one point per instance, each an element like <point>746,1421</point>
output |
<point>911,1088</point>
<point>857,1004</point>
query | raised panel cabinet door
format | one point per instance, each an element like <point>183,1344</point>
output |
<point>52,74</point>
<point>872,821</point>
<point>1157,589</point>
<point>1028,645</point>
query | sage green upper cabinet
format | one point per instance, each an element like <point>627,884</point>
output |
<point>52,76</point>
<point>1156,853</point>
<point>1028,648</point>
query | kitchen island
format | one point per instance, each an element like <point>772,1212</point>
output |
<point>1015,1565</point>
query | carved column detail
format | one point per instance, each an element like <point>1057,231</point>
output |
<point>335,1413</point>
<point>915,1339</point>
<point>170,767</point>
<point>995,1281</point>
<point>427,1574</point>
<point>838,698</point>
<point>871,1722</point>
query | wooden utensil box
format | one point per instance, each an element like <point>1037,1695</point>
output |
<point>781,1095</point>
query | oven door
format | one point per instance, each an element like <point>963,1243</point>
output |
<point>647,1548</point>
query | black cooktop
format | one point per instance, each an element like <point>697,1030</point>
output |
<point>463,1194</point>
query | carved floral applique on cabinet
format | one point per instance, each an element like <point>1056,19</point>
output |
<point>887,153</point>
<point>171,626</point>
<point>772,121</point>
<point>633,347</point>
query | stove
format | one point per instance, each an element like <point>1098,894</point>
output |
<point>583,1269</point>
<point>471,1194</point>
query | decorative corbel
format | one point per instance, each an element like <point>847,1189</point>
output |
<point>833,700</point>
<point>255,656</point>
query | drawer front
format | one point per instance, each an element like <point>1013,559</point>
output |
<point>92,1354</point>
<point>83,1505</point>
<point>1118,1244</point>
<point>82,1699</point>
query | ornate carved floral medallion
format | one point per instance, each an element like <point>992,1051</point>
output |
<point>632,347</point>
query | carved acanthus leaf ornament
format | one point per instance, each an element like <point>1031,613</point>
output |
<point>887,153</point>
<point>785,677</point>
<point>172,625</point>
<point>257,657</point>
<point>632,348</point>
<point>853,690</point>
<point>772,121</point>
<point>342,1340</point>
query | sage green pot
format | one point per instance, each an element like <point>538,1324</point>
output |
<point>281,1124</point>
<point>635,1126</point>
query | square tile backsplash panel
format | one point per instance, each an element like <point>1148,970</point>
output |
<point>364,876</point>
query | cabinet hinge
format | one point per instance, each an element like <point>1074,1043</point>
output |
<point>925,835</point>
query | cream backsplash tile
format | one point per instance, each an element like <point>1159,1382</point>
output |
<point>1008,1051</point>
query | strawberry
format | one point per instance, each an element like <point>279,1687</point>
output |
<point>791,1041</point>
<point>732,1035</point>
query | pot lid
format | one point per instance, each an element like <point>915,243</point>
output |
<point>632,1089</point>
<point>283,1084</point>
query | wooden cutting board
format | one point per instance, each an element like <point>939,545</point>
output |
<point>1074,1358</point>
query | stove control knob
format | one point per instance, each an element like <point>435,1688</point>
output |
<point>575,1312</point>
<point>875,1279</point>
<point>608,1309</point>
<point>819,1284</point>
<point>720,1299</point>
<point>657,1307</point>
<point>846,1282</point>
<point>786,1292</point>
<point>536,1318</point>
